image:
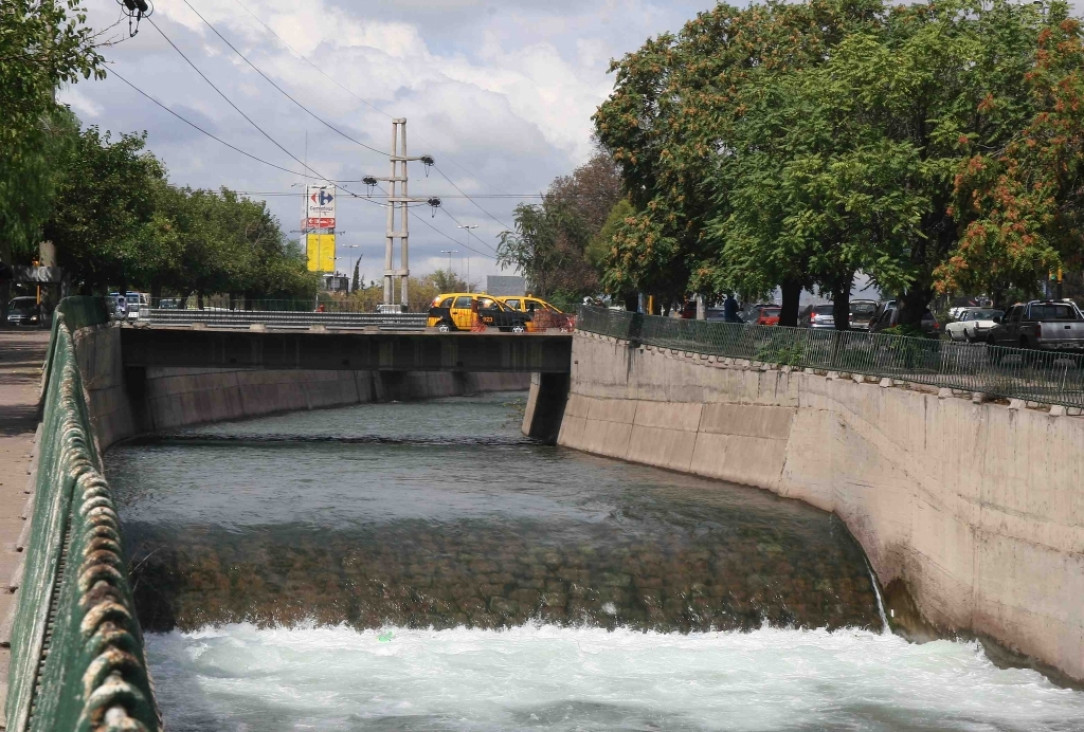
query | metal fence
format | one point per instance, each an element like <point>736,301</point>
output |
<point>1038,376</point>
<point>283,319</point>
<point>77,660</point>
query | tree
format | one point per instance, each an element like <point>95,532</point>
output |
<point>1023,203</point>
<point>355,283</point>
<point>677,104</point>
<point>797,144</point>
<point>42,45</point>
<point>105,199</point>
<point>551,241</point>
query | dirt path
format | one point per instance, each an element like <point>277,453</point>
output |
<point>21,355</point>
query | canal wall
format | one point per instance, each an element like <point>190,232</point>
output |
<point>126,402</point>
<point>974,507</point>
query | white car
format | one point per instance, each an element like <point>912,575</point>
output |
<point>974,324</point>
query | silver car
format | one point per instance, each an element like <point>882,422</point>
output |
<point>817,317</point>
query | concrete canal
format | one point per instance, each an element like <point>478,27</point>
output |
<point>425,566</point>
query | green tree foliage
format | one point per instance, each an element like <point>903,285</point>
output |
<point>551,243</point>
<point>796,144</point>
<point>1023,202</point>
<point>117,223</point>
<point>105,198</point>
<point>42,45</point>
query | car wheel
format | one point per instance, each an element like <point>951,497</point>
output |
<point>968,337</point>
<point>444,326</point>
<point>519,328</point>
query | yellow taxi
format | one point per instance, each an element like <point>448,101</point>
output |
<point>543,315</point>
<point>452,311</point>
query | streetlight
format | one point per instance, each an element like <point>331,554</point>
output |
<point>449,252</point>
<point>468,227</point>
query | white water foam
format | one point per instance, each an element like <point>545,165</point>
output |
<point>240,678</point>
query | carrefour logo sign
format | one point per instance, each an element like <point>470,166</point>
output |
<point>321,202</point>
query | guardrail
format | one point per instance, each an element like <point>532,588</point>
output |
<point>1011,373</point>
<point>283,319</point>
<point>77,660</point>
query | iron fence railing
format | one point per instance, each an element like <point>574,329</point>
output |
<point>1046,377</point>
<point>77,660</point>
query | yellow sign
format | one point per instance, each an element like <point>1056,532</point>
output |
<point>321,250</point>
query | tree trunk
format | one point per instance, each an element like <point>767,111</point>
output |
<point>792,292</point>
<point>913,305</point>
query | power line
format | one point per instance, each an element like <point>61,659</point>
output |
<point>316,173</point>
<point>188,122</point>
<point>310,63</point>
<point>356,96</point>
<point>278,88</point>
<point>487,213</point>
<point>228,100</point>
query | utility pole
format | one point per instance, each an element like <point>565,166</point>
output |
<point>398,200</point>
<point>468,227</point>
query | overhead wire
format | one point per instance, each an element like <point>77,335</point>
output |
<point>278,88</point>
<point>214,137</point>
<point>360,99</point>
<point>315,173</point>
<point>315,66</point>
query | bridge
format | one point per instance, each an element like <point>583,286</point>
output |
<point>540,353</point>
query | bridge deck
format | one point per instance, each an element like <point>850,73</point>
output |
<point>380,351</point>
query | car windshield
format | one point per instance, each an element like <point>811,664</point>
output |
<point>1053,311</point>
<point>863,308</point>
<point>770,312</point>
<point>984,314</point>
<point>823,309</point>
<point>21,303</point>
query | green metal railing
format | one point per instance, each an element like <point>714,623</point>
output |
<point>1047,377</point>
<point>77,660</point>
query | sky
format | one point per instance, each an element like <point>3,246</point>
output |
<point>499,94</point>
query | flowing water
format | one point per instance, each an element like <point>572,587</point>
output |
<point>424,566</point>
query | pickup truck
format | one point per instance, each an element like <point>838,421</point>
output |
<point>1043,325</point>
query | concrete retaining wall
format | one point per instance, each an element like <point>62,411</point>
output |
<point>977,507</point>
<point>125,404</point>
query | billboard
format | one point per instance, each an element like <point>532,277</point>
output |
<point>321,251</point>
<point>320,207</point>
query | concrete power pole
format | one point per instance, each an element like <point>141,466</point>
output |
<point>397,200</point>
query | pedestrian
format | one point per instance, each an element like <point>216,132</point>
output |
<point>121,311</point>
<point>730,309</point>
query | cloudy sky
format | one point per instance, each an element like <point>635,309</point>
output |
<point>499,94</point>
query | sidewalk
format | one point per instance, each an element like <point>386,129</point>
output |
<point>21,355</point>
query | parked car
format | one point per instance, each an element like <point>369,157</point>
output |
<point>817,317</point>
<point>544,315</point>
<point>768,316</point>
<point>393,307</point>
<point>751,312</point>
<point>974,324</point>
<point>862,314</point>
<point>24,310</point>
<point>890,318</point>
<point>1045,325</point>
<point>466,310</point>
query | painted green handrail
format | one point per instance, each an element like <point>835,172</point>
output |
<point>1046,377</point>
<point>77,660</point>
